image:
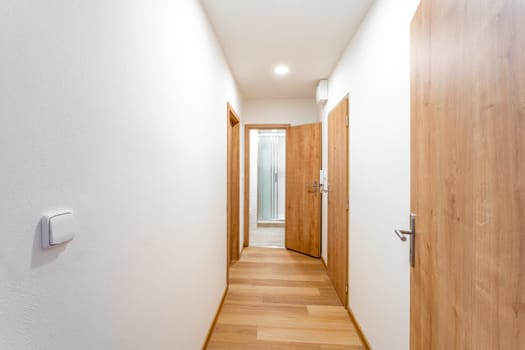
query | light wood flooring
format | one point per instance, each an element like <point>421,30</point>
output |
<point>278,299</point>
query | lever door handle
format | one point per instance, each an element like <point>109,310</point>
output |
<point>412,233</point>
<point>401,233</point>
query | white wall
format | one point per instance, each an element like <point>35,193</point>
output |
<point>276,111</point>
<point>117,110</point>
<point>375,71</point>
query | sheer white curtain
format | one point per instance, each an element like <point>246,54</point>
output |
<point>271,172</point>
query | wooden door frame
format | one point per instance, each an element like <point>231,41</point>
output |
<point>346,97</point>
<point>247,129</point>
<point>232,186</point>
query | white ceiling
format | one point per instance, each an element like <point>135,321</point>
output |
<point>307,35</point>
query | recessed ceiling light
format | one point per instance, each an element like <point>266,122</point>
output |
<point>281,70</point>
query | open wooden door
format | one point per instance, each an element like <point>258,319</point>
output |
<point>303,200</point>
<point>338,199</point>
<point>468,175</point>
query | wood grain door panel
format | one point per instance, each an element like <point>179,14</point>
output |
<point>303,201</point>
<point>338,199</point>
<point>468,175</point>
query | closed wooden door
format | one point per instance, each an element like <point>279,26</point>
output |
<point>468,175</point>
<point>303,200</point>
<point>338,199</point>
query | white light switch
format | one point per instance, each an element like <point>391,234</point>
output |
<point>58,228</point>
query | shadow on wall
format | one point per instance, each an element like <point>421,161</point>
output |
<point>41,256</point>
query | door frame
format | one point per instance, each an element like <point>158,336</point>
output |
<point>232,186</point>
<point>246,214</point>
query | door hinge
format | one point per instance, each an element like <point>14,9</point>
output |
<point>347,120</point>
<point>346,287</point>
<point>347,204</point>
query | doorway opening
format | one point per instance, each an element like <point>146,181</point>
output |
<point>265,185</point>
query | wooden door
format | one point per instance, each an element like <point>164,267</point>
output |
<point>303,200</point>
<point>233,186</point>
<point>338,199</point>
<point>468,175</point>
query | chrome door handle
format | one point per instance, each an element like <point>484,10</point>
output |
<point>412,233</point>
<point>400,234</point>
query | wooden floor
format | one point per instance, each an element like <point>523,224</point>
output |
<point>278,299</point>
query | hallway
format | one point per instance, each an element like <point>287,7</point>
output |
<point>278,299</point>
<point>176,174</point>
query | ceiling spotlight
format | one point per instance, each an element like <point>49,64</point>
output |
<point>281,70</point>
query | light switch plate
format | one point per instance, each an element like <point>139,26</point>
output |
<point>58,228</point>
